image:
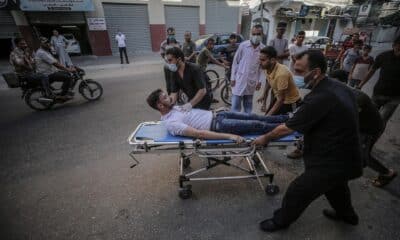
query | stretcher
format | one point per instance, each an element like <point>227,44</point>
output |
<point>153,136</point>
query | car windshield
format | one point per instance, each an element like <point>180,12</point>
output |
<point>202,38</point>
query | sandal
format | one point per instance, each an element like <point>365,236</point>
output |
<point>383,180</point>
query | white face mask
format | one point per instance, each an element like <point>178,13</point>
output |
<point>172,67</point>
<point>255,39</point>
<point>299,81</point>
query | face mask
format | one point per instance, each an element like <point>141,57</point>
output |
<point>255,39</point>
<point>171,37</point>
<point>299,81</point>
<point>172,67</point>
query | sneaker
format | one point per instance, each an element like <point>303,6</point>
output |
<point>297,153</point>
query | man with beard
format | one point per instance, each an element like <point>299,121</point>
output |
<point>328,119</point>
<point>188,78</point>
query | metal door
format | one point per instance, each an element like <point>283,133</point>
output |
<point>183,19</point>
<point>222,16</point>
<point>8,29</point>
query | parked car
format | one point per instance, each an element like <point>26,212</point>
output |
<point>316,42</point>
<point>221,41</point>
<point>73,46</point>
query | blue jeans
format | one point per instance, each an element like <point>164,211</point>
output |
<point>237,103</point>
<point>243,123</point>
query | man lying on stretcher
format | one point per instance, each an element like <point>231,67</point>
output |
<point>203,124</point>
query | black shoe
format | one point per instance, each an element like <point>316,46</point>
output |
<point>269,225</point>
<point>70,93</point>
<point>331,214</point>
<point>214,101</point>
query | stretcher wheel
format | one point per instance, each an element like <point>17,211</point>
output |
<point>271,189</point>
<point>186,162</point>
<point>185,192</point>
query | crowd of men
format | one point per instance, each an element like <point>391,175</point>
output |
<point>339,123</point>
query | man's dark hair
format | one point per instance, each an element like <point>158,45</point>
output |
<point>366,46</point>
<point>176,52</point>
<point>208,40</point>
<point>281,25</point>
<point>170,29</point>
<point>301,33</point>
<point>18,40</point>
<point>316,59</point>
<point>358,42</point>
<point>397,40</point>
<point>232,36</point>
<point>269,51</point>
<point>258,26</point>
<point>153,98</point>
<point>340,75</point>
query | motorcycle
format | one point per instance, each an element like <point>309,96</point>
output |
<point>36,98</point>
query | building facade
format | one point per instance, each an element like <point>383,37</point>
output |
<point>94,23</point>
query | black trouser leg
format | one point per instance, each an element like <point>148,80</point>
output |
<point>126,55</point>
<point>63,77</point>
<point>305,189</point>
<point>340,199</point>
<point>368,142</point>
<point>120,54</point>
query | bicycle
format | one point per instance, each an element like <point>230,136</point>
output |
<point>226,90</point>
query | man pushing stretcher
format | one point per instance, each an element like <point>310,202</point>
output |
<point>203,124</point>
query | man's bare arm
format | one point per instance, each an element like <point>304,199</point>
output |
<point>278,132</point>
<point>206,134</point>
<point>278,103</point>
<point>174,97</point>
<point>198,97</point>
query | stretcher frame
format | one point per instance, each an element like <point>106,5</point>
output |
<point>215,153</point>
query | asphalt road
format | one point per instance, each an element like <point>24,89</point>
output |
<point>64,174</point>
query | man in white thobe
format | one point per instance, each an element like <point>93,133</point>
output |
<point>59,43</point>
<point>246,72</point>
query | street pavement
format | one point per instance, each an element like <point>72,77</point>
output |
<point>64,174</point>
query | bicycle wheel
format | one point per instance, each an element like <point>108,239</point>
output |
<point>226,94</point>
<point>214,78</point>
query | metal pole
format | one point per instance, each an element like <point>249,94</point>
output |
<point>262,14</point>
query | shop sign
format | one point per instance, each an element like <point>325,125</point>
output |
<point>56,5</point>
<point>96,24</point>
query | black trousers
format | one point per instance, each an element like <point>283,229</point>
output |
<point>63,77</point>
<point>367,143</point>
<point>309,186</point>
<point>122,50</point>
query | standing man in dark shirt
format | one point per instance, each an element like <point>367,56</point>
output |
<point>189,48</point>
<point>386,93</point>
<point>371,128</point>
<point>328,119</point>
<point>187,77</point>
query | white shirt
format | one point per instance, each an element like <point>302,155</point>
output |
<point>121,40</point>
<point>294,50</point>
<point>177,120</point>
<point>44,62</point>
<point>246,70</point>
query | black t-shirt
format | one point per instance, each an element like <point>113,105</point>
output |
<point>389,82</point>
<point>328,118</point>
<point>229,52</point>
<point>370,120</point>
<point>192,82</point>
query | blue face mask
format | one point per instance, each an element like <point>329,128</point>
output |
<point>172,67</point>
<point>299,81</point>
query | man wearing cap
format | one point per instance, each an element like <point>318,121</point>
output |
<point>46,64</point>
<point>280,43</point>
